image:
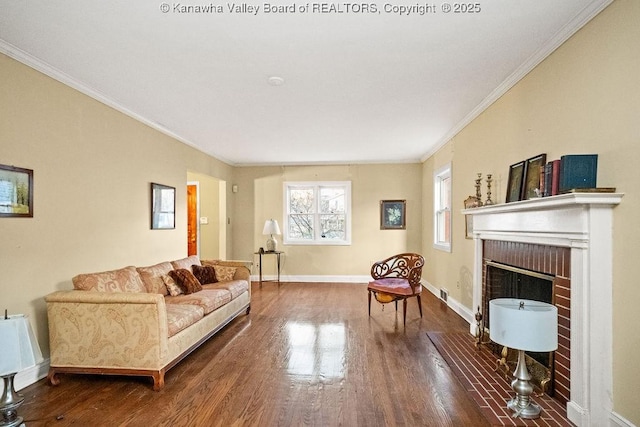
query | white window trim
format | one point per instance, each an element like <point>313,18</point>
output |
<point>440,174</point>
<point>317,242</point>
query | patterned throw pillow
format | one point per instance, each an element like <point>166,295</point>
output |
<point>186,280</point>
<point>224,273</point>
<point>205,274</point>
<point>172,286</point>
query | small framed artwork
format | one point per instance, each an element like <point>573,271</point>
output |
<point>393,215</point>
<point>470,202</point>
<point>534,167</point>
<point>514,185</point>
<point>16,192</point>
<point>163,207</point>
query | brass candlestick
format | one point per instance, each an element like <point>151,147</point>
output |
<point>489,201</point>
<point>478,195</point>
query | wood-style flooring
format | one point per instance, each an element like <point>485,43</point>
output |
<point>308,354</point>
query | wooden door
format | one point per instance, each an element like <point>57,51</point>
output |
<point>192,219</point>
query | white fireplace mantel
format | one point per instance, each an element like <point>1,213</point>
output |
<point>584,223</point>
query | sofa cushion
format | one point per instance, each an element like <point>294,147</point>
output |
<point>186,280</point>
<point>208,299</point>
<point>122,280</point>
<point>224,273</point>
<point>236,287</point>
<point>181,316</point>
<point>205,274</point>
<point>152,277</point>
<point>172,287</point>
<point>186,262</point>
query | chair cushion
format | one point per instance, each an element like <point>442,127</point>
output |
<point>392,285</point>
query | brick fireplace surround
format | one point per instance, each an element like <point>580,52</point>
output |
<point>579,226</point>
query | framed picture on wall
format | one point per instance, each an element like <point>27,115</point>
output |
<point>533,171</point>
<point>514,185</point>
<point>393,215</point>
<point>163,207</point>
<point>16,192</point>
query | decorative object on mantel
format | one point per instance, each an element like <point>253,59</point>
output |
<point>478,195</point>
<point>514,185</point>
<point>488,201</point>
<point>470,202</point>
<point>16,192</point>
<point>534,169</point>
<point>523,325</point>
<point>20,351</point>
<point>578,171</point>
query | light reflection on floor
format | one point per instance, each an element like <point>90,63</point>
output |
<point>316,351</point>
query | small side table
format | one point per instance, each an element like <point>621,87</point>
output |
<point>277,254</point>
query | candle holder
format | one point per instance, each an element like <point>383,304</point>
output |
<point>489,201</point>
<point>478,194</point>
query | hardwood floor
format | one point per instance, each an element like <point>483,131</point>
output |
<point>308,354</point>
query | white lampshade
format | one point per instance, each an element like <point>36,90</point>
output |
<point>19,346</point>
<point>271,227</point>
<point>523,324</point>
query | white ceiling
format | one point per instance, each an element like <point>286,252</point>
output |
<point>358,87</point>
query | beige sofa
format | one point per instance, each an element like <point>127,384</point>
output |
<point>125,322</point>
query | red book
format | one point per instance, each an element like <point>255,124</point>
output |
<point>555,177</point>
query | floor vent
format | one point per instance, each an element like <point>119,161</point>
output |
<point>444,294</point>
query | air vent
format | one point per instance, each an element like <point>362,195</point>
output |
<point>444,294</point>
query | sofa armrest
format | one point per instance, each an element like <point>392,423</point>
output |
<point>107,329</point>
<point>243,270</point>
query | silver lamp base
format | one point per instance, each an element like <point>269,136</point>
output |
<point>521,404</point>
<point>9,404</point>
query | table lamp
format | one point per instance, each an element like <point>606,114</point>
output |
<point>523,325</point>
<point>20,351</point>
<point>271,228</point>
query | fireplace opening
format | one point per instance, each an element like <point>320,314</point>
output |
<point>505,281</point>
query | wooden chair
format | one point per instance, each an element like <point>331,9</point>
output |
<point>397,278</point>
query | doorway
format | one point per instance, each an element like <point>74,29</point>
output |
<point>193,232</point>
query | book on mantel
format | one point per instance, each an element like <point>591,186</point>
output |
<point>578,171</point>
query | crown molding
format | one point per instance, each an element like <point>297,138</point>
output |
<point>50,71</point>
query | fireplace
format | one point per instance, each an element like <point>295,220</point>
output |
<point>539,273</point>
<point>568,237</point>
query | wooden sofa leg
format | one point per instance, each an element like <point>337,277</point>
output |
<point>248,310</point>
<point>52,378</point>
<point>419,304</point>
<point>158,380</point>
<point>369,303</point>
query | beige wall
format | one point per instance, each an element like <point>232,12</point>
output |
<point>260,197</point>
<point>92,170</point>
<point>583,99</point>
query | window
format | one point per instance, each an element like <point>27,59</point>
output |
<point>317,213</point>
<point>442,208</point>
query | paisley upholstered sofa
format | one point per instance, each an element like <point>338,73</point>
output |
<point>142,321</point>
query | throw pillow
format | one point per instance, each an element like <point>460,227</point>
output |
<point>224,273</point>
<point>186,280</point>
<point>205,274</point>
<point>172,286</point>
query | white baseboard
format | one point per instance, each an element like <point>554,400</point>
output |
<point>31,375</point>
<point>618,420</point>
<point>452,303</point>
<point>315,279</point>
